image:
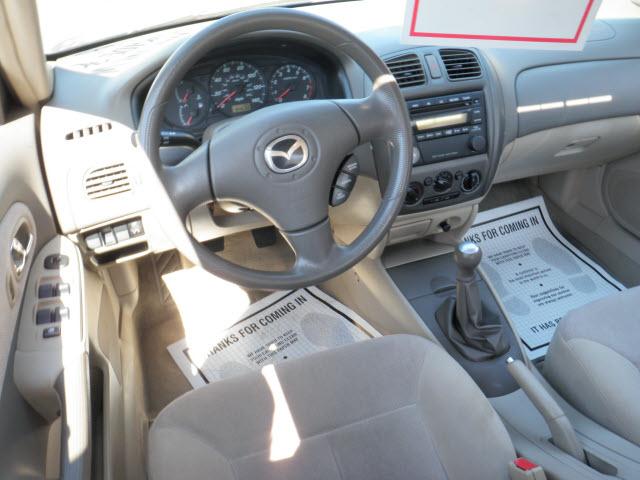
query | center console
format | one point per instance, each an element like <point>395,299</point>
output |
<point>450,161</point>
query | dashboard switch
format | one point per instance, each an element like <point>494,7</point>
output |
<point>108,237</point>
<point>351,166</point>
<point>434,67</point>
<point>338,197</point>
<point>121,232</point>
<point>345,181</point>
<point>135,228</point>
<point>93,241</point>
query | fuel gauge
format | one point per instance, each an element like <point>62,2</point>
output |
<point>192,103</point>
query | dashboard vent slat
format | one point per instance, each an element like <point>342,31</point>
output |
<point>88,131</point>
<point>407,70</point>
<point>461,64</point>
<point>107,181</point>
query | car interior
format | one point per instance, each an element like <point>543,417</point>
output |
<point>160,183</point>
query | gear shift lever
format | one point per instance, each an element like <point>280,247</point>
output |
<point>468,304</point>
<point>474,330</point>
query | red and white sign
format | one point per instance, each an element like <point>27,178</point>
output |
<point>533,24</point>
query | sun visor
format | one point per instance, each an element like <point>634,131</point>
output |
<point>531,24</point>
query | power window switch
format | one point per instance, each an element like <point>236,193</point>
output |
<point>61,314</point>
<point>56,261</point>
<point>63,289</point>
<point>47,290</point>
<point>52,290</point>
<point>51,332</point>
<point>44,316</point>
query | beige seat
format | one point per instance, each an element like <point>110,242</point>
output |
<point>594,362</point>
<point>392,408</point>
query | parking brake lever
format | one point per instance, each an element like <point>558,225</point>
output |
<point>562,432</point>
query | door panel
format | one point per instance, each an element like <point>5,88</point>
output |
<point>26,218</point>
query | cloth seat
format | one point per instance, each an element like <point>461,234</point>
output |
<point>396,407</point>
<point>594,362</point>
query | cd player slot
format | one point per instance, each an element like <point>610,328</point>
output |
<point>439,108</point>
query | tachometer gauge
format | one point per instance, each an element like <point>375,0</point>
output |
<point>291,83</point>
<point>192,103</point>
<point>237,88</point>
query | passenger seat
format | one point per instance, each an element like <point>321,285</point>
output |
<point>594,362</point>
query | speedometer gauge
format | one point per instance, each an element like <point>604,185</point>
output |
<point>192,103</point>
<point>236,88</point>
<point>291,83</point>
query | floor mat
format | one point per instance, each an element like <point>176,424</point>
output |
<point>282,326</point>
<point>536,272</point>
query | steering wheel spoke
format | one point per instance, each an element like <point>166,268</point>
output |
<point>372,116</point>
<point>313,247</point>
<point>188,183</point>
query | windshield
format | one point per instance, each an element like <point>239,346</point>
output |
<point>70,24</point>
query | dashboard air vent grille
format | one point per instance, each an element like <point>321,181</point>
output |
<point>107,181</point>
<point>407,69</point>
<point>86,132</point>
<point>460,64</point>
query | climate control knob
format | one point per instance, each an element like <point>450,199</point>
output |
<point>478,144</point>
<point>414,194</point>
<point>443,182</point>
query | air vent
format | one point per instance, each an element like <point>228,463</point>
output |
<point>86,132</point>
<point>460,64</point>
<point>107,181</point>
<point>408,70</point>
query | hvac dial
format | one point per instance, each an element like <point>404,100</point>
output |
<point>291,83</point>
<point>192,103</point>
<point>237,88</point>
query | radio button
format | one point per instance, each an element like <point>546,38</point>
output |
<point>430,136</point>
<point>421,137</point>
<point>438,134</point>
<point>457,131</point>
<point>478,144</point>
<point>476,121</point>
<point>448,133</point>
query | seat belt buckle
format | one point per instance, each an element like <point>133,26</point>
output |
<point>523,469</point>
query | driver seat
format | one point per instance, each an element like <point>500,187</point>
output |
<point>392,407</point>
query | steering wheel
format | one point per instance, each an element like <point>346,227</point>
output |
<point>282,160</point>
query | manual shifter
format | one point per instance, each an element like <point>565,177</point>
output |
<point>470,325</point>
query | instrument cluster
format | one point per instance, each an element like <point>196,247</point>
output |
<point>217,90</point>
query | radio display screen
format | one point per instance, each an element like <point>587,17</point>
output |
<point>441,121</point>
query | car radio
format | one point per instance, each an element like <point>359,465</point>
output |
<point>450,161</point>
<point>448,127</point>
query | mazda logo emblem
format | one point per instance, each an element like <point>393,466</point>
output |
<point>286,154</point>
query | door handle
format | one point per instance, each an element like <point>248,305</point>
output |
<point>21,246</point>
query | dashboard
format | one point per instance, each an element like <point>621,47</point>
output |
<point>524,114</point>
<point>246,79</point>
